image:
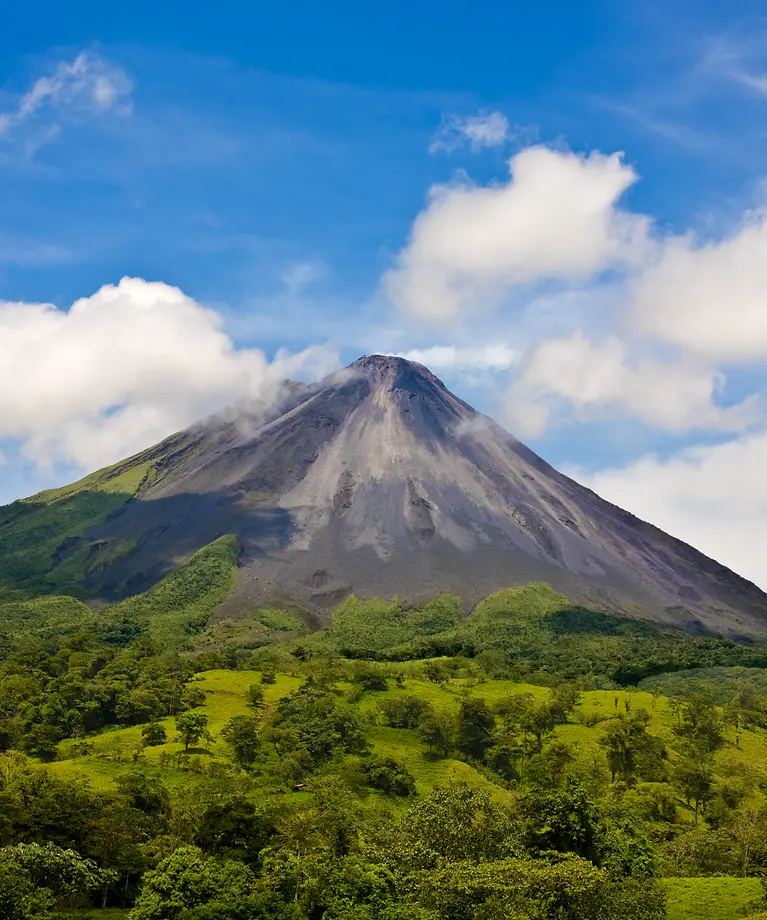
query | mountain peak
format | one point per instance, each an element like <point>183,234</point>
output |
<point>394,372</point>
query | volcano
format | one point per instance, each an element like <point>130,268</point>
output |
<point>379,481</point>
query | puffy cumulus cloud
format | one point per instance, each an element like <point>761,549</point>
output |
<point>600,380</point>
<point>86,84</point>
<point>713,496</point>
<point>486,129</point>
<point>124,368</point>
<point>709,299</point>
<point>498,357</point>
<point>556,217</point>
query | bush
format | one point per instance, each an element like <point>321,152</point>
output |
<point>405,711</point>
<point>388,776</point>
<point>369,678</point>
<point>154,734</point>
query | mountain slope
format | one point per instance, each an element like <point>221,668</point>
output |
<point>380,481</point>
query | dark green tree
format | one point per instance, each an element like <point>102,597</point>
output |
<point>404,711</point>
<point>154,734</point>
<point>242,734</point>
<point>235,828</point>
<point>388,776</point>
<point>437,730</point>
<point>476,725</point>
<point>695,779</point>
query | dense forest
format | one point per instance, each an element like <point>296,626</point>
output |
<point>534,761</point>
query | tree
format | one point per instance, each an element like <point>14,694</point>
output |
<point>476,725</point>
<point>313,722</point>
<point>242,734</point>
<point>538,722</point>
<point>695,779</point>
<point>235,828</point>
<point>437,731</point>
<point>254,697</point>
<point>42,740</point>
<point>154,734</point>
<point>700,724</point>
<point>456,823</point>
<point>138,705</point>
<point>564,820</point>
<point>549,768</point>
<point>435,671</point>
<point>20,898</point>
<point>190,885</point>
<point>404,711</point>
<point>388,775</point>
<point>565,697</point>
<point>626,742</point>
<point>504,758</point>
<point>747,828</point>
<point>735,717</point>
<point>62,873</point>
<point>146,794</point>
<point>192,728</point>
<point>523,889</point>
<point>369,677</point>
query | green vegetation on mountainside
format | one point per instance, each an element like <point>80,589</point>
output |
<point>525,632</point>
<point>179,605</point>
<point>45,615</point>
<point>38,533</point>
<point>368,628</point>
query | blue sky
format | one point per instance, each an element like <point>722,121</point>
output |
<point>330,181</point>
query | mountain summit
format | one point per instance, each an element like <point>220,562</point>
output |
<point>380,481</point>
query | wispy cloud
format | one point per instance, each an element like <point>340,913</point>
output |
<point>85,86</point>
<point>671,129</point>
<point>486,129</point>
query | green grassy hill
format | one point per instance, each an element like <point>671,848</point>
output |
<point>45,546</point>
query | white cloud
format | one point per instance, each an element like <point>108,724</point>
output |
<point>600,380</point>
<point>498,357</point>
<point>714,497</point>
<point>88,84</point>
<point>487,129</point>
<point>556,217</point>
<point>710,299</point>
<point>122,369</point>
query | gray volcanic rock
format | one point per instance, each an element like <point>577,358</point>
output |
<point>381,481</point>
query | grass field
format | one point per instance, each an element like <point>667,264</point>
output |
<point>711,898</point>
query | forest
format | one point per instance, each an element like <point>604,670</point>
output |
<point>534,761</point>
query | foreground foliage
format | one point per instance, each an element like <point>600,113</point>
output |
<point>356,773</point>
